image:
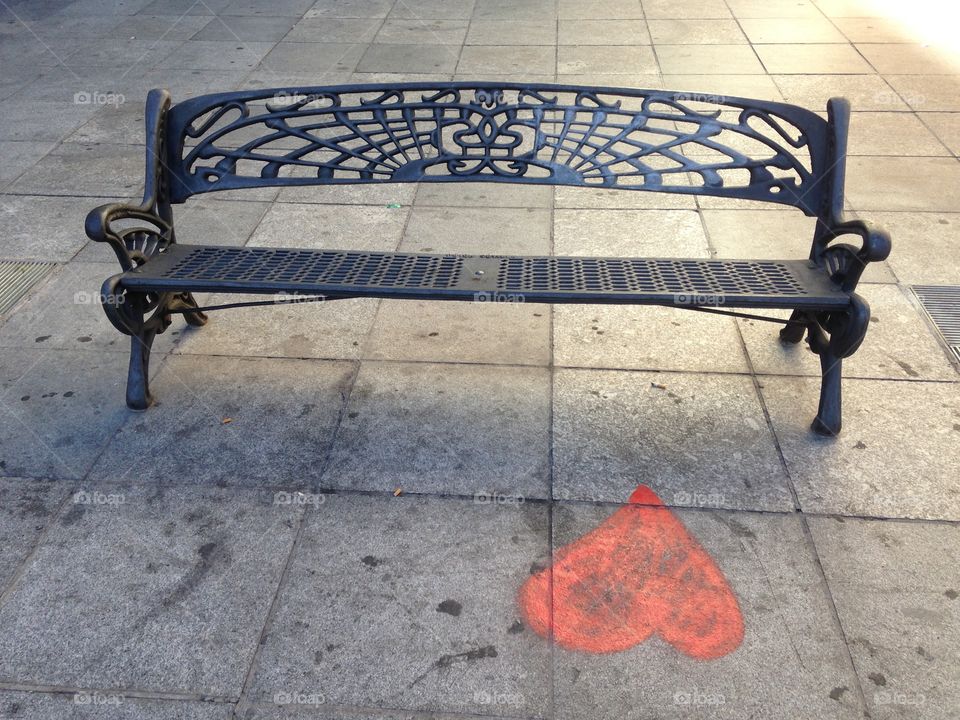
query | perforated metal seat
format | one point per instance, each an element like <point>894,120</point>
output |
<point>345,273</point>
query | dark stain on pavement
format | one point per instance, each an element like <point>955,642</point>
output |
<point>445,661</point>
<point>877,679</point>
<point>838,692</point>
<point>450,607</point>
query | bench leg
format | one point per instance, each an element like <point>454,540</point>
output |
<point>828,420</point>
<point>138,373</point>
<point>793,333</point>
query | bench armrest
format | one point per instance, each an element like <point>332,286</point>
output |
<point>132,245</point>
<point>875,247</point>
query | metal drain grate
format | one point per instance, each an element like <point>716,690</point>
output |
<point>942,305</point>
<point>16,279</point>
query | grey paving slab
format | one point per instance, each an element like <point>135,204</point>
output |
<point>19,120</point>
<point>104,706</point>
<point>383,77</point>
<point>899,344</point>
<point>82,169</point>
<point>67,84</point>
<point>874,29</point>
<point>64,313</point>
<point>266,421</point>
<point>44,228</point>
<point>19,156</point>
<point>892,133</point>
<point>865,92</point>
<point>731,59</point>
<point>946,126</point>
<point>889,183</point>
<point>791,663</point>
<point>185,578</point>
<point>418,31</point>
<point>491,330</point>
<point>699,440</point>
<point>507,10</point>
<point>511,32</point>
<point>184,7</point>
<point>927,92</point>
<point>811,58</point>
<point>333,330</point>
<point>268,77</point>
<point>629,233</point>
<point>334,30</point>
<point>394,57</point>
<point>484,195</point>
<point>219,54</point>
<point>289,8</point>
<point>894,458</point>
<point>438,9</point>
<point>577,59</point>
<point>12,82</point>
<point>613,9</point>
<point>445,428</point>
<point>918,239</point>
<point>26,508</point>
<point>764,31</point>
<point>481,60</point>
<point>120,124</point>
<point>598,199</point>
<point>331,226</point>
<point>189,82</point>
<point>410,603</point>
<point>385,195</point>
<point>114,51</point>
<point>761,234</point>
<point>350,8</point>
<point>785,9</point>
<point>27,49</point>
<point>59,26</point>
<point>907,58</point>
<point>895,589</point>
<point>147,28</point>
<point>104,7</point>
<point>603,32</point>
<point>313,57</point>
<point>256,28</point>
<point>57,410</point>
<point>496,231</point>
<point>717,31</point>
<point>645,338</point>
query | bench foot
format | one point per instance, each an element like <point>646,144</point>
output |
<point>138,373</point>
<point>185,301</point>
<point>828,420</point>
<point>793,333</point>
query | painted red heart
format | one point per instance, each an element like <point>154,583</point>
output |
<point>638,573</point>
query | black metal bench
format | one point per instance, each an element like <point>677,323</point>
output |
<point>481,132</point>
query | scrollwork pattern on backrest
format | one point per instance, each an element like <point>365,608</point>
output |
<point>548,134</point>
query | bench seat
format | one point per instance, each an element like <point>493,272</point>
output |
<point>348,273</point>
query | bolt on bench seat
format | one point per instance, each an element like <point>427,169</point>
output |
<point>616,138</point>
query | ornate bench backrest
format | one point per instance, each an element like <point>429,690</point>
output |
<point>544,134</point>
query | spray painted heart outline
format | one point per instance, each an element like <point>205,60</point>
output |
<point>639,573</point>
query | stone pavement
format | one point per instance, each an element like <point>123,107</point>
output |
<point>163,565</point>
